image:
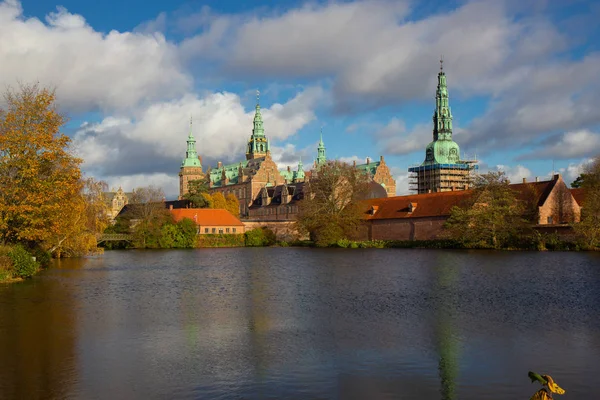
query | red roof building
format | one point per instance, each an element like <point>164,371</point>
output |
<point>422,216</point>
<point>210,220</point>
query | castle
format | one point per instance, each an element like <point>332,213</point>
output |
<point>261,188</point>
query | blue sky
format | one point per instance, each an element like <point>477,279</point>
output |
<point>523,76</point>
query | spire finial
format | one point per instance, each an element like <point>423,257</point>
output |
<point>441,63</point>
<point>257,97</point>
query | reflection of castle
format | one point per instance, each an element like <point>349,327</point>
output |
<point>442,170</point>
<point>260,187</point>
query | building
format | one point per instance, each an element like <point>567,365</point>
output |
<point>115,201</point>
<point>422,216</point>
<point>257,181</point>
<point>209,220</point>
<point>443,170</point>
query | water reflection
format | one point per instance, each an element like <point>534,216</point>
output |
<point>38,341</point>
<point>301,323</point>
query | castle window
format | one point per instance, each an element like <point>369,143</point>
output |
<point>214,230</point>
<point>205,230</point>
<point>549,219</point>
<point>227,230</point>
<point>233,230</point>
<point>220,230</point>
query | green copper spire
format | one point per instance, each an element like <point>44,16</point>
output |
<point>300,172</point>
<point>258,145</point>
<point>443,150</point>
<point>191,157</point>
<point>442,116</point>
<point>321,158</point>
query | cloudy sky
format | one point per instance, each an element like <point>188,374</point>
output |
<point>523,76</point>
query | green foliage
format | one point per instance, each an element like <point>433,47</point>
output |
<point>493,218</point>
<point>23,264</point>
<point>196,189</point>
<point>260,237</point>
<point>577,183</point>
<point>221,240</point>
<point>41,256</point>
<point>588,230</point>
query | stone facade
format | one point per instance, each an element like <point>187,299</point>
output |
<point>116,200</point>
<point>256,181</point>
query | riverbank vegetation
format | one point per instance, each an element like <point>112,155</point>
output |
<point>46,205</point>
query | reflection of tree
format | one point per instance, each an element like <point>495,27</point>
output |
<point>37,340</point>
<point>446,340</point>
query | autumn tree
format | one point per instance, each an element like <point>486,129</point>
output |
<point>491,218</point>
<point>232,204</point>
<point>330,210</point>
<point>219,201</point>
<point>196,190</point>
<point>588,230</point>
<point>40,179</point>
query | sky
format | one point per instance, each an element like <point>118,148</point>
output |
<point>523,78</point>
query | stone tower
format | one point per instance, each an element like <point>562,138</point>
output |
<point>191,166</point>
<point>442,170</point>
<point>321,158</point>
<point>258,145</point>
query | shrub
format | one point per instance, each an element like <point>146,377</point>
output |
<point>260,237</point>
<point>221,240</point>
<point>343,243</point>
<point>23,263</point>
<point>41,256</point>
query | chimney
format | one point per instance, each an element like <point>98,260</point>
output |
<point>537,178</point>
<point>354,163</point>
<point>556,177</point>
<point>170,206</point>
<point>219,164</point>
<point>381,158</point>
<point>289,169</point>
<point>428,190</point>
<point>524,180</point>
<point>368,160</point>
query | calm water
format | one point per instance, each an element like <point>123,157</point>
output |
<point>304,324</point>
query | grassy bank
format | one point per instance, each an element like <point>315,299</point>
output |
<point>18,262</point>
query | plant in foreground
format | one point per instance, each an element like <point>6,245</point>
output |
<point>549,386</point>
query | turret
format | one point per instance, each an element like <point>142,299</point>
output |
<point>191,157</point>
<point>300,172</point>
<point>258,145</point>
<point>321,158</point>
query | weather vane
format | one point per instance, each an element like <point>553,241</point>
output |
<point>441,63</point>
<point>257,96</point>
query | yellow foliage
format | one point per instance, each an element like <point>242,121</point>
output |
<point>232,204</point>
<point>552,385</point>
<point>541,394</point>
<point>41,196</point>
<point>219,201</point>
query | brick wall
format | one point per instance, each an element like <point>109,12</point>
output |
<point>407,228</point>
<point>284,230</point>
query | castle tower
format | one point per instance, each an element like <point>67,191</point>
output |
<point>300,173</point>
<point>442,170</point>
<point>258,145</point>
<point>191,166</point>
<point>321,158</point>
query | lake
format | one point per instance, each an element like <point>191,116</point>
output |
<point>303,323</point>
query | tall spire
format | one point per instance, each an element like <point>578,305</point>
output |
<point>321,158</point>
<point>191,156</point>
<point>442,116</point>
<point>258,145</point>
<point>300,172</point>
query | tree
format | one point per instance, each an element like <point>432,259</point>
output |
<point>40,185</point>
<point>330,209</point>
<point>491,218</point>
<point>588,230</point>
<point>219,201</point>
<point>196,189</point>
<point>578,182</point>
<point>147,214</point>
<point>232,204</point>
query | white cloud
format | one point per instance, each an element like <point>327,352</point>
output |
<point>516,173</point>
<point>169,183</point>
<point>91,70</point>
<point>573,170</point>
<point>575,144</point>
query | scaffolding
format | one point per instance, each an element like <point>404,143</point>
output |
<point>442,177</point>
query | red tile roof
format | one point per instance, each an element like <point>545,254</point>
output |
<point>439,204</point>
<point>424,205</point>
<point>206,216</point>
<point>578,195</point>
